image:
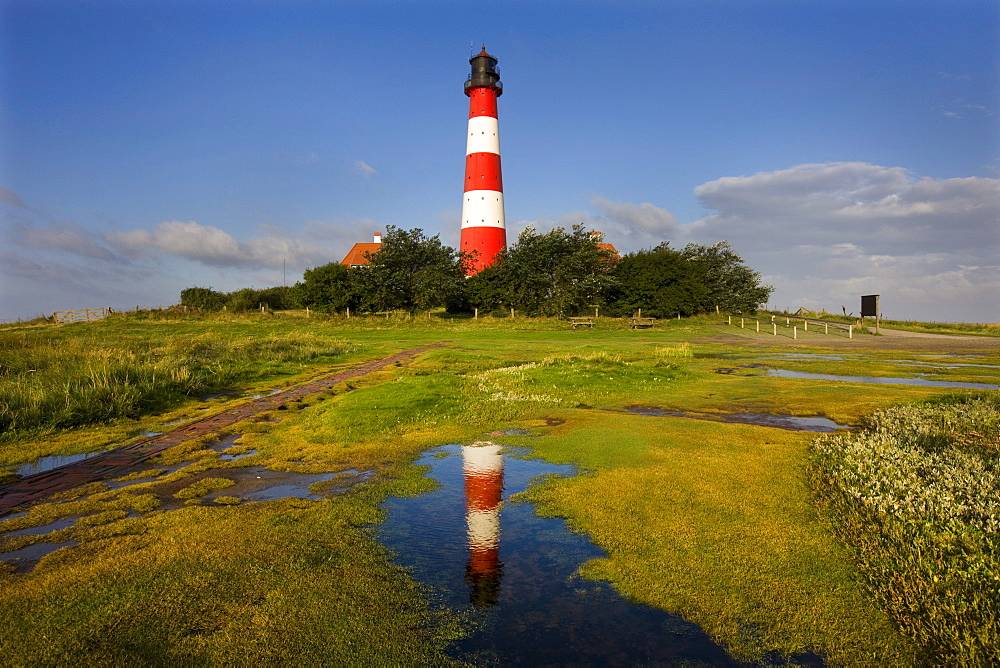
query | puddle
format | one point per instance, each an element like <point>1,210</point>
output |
<point>881,380</point>
<point>49,462</point>
<point>815,423</point>
<point>217,395</point>
<point>25,559</point>
<point>808,357</point>
<point>62,523</point>
<point>224,444</point>
<point>512,572</point>
<point>944,365</point>
<point>256,483</point>
<point>238,394</point>
<point>237,455</point>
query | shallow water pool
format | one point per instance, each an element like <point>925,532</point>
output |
<point>513,572</point>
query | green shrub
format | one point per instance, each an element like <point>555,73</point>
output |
<point>916,492</point>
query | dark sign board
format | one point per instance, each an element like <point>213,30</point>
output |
<point>869,306</point>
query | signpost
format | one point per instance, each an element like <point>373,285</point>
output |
<point>869,307</point>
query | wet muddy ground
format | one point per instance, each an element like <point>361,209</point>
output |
<point>816,423</point>
<point>249,484</point>
<point>871,380</point>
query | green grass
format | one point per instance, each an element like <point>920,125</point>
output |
<point>716,522</point>
<point>121,367</point>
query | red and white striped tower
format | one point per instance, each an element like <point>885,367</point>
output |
<point>482,209</point>
<point>483,470</point>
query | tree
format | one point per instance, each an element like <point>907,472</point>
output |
<point>329,288</point>
<point>486,290</point>
<point>203,298</point>
<point>731,285</point>
<point>410,271</point>
<point>557,273</point>
<point>662,282</point>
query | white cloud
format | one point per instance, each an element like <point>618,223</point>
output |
<point>364,169</point>
<point>66,236</point>
<point>626,225</point>
<point>191,240</point>
<point>882,209</point>
<point>212,246</point>
<point>823,234</point>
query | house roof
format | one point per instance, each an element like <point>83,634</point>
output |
<point>356,256</point>
<point>610,247</point>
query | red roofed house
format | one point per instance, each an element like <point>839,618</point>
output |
<point>356,256</point>
<point>599,236</point>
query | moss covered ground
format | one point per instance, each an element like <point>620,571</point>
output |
<point>715,522</point>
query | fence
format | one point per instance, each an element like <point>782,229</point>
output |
<point>774,323</point>
<point>81,314</point>
<point>88,314</point>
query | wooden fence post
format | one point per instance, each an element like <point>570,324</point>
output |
<point>795,332</point>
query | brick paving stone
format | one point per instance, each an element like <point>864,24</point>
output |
<point>106,464</point>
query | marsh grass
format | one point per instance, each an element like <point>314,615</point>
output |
<point>51,380</point>
<point>203,487</point>
<point>570,380</point>
<point>917,494</point>
<point>288,582</point>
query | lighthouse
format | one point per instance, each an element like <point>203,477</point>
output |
<point>483,472</point>
<point>483,233</point>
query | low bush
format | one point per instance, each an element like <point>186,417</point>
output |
<point>916,493</point>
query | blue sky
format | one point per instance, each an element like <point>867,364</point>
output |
<point>843,148</point>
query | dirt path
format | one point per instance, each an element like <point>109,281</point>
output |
<point>903,334</point>
<point>886,340</point>
<point>115,462</point>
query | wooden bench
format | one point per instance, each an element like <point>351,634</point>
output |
<point>637,323</point>
<point>589,322</point>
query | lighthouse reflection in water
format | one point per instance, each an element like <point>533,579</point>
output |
<point>531,608</point>
<point>483,472</point>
